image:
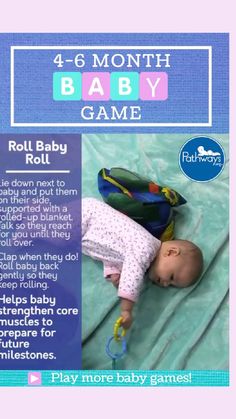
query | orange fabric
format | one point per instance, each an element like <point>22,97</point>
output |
<point>153,188</point>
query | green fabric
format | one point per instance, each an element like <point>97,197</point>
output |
<point>172,328</point>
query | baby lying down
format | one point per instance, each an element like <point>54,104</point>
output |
<point>128,252</point>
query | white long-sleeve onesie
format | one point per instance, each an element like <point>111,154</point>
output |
<point>121,244</point>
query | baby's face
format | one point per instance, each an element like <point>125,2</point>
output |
<point>171,269</point>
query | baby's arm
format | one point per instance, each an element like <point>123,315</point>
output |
<point>131,281</point>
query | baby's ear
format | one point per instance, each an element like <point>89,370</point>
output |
<point>172,251</point>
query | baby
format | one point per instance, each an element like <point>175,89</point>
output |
<point>128,251</point>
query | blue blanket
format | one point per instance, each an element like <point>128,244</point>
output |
<point>173,328</point>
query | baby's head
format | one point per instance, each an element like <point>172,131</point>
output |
<point>178,263</point>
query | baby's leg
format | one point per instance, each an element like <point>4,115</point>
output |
<point>72,234</point>
<point>87,208</point>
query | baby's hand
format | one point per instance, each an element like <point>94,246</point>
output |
<point>126,319</point>
<point>115,279</point>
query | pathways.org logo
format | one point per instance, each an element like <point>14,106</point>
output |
<point>201,159</point>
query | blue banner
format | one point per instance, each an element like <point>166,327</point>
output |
<point>40,279</point>
<point>117,378</point>
<point>106,82</point>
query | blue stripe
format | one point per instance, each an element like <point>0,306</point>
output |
<point>162,378</point>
